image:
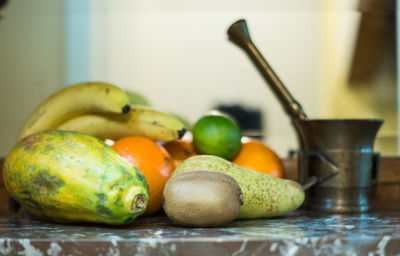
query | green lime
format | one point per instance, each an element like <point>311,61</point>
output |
<point>217,135</point>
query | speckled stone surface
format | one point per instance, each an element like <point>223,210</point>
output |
<point>298,233</point>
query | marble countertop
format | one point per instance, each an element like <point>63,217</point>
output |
<point>301,232</point>
<point>298,233</point>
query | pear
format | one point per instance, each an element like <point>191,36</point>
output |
<point>264,195</point>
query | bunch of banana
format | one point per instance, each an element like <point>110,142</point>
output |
<point>140,121</point>
<point>102,110</point>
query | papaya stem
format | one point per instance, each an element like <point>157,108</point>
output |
<point>138,203</point>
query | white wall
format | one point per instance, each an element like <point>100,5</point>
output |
<point>374,98</point>
<point>178,55</point>
<point>31,62</point>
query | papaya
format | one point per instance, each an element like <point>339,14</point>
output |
<point>72,177</point>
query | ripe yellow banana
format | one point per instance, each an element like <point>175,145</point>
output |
<point>83,98</point>
<point>140,121</point>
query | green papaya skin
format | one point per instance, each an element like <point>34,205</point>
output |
<point>70,177</point>
<point>264,195</point>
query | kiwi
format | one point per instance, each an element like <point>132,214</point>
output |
<point>202,199</point>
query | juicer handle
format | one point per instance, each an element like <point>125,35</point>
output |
<point>314,180</point>
<point>239,34</point>
<point>309,183</point>
<point>334,169</point>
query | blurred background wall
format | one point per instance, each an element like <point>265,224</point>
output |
<point>31,61</point>
<point>176,53</point>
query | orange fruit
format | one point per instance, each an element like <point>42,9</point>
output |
<point>152,160</point>
<point>180,150</point>
<point>257,156</point>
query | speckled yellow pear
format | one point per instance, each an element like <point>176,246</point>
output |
<point>264,195</point>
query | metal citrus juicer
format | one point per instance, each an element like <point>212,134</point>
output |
<point>336,161</point>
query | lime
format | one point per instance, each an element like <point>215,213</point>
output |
<point>217,135</point>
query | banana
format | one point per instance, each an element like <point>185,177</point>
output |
<point>140,121</point>
<point>78,99</point>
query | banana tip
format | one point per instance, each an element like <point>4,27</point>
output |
<point>126,109</point>
<point>181,133</point>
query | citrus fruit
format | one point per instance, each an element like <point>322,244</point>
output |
<point>152,160</point>
<point>180,150</point>
<point>257,156</point>
<point>217,135</point>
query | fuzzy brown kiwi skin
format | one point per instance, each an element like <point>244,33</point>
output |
<point>202,198</point>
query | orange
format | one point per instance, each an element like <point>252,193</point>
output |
<point>257,156</point>
<point>180,150</point>
<point>152,160</point>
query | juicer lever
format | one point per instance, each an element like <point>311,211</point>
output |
<point>239,34</point>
